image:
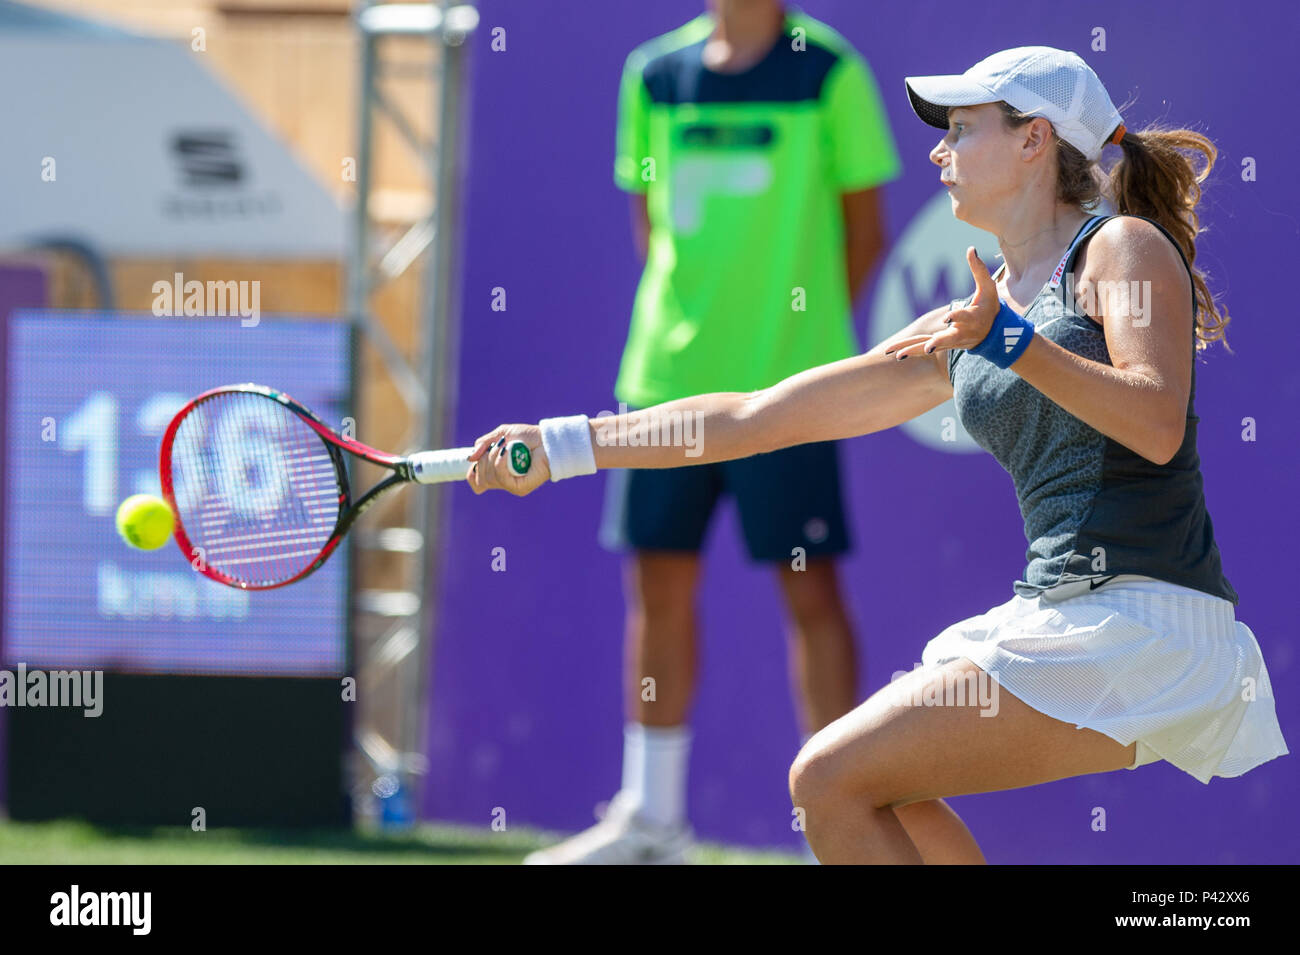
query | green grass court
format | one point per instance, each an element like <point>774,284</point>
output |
<point>78,843</point>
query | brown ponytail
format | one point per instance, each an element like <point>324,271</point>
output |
<point>1155,178</point>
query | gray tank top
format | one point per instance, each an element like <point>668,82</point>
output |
<point>1093,509</point>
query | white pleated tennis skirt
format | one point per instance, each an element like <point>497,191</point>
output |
<point>1140,660</point>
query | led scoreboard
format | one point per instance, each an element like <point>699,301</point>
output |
<point>88,397</point>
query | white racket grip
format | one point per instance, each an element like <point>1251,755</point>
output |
<point>440,467</point>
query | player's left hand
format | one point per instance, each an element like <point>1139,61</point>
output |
<point>490,467</point>
<point>964,327</point>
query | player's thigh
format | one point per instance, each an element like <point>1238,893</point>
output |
<point>791,502</point>
<point>946,731</point>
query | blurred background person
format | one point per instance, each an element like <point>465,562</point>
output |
<point>753,143</point>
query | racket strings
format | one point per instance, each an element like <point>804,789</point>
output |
<point>256,488</point>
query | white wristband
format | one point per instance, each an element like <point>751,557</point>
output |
<point>567,442</point>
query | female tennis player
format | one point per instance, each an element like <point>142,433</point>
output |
<point>1120,646</point>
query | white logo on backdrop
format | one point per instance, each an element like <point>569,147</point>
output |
<point>927,268</point>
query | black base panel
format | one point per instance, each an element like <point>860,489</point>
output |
<point>249,751</point>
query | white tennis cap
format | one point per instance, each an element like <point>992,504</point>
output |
<point>1055,84</point>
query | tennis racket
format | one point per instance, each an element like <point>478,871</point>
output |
<point>259,485</point>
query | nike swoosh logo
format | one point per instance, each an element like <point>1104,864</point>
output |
<point>1098,582</point>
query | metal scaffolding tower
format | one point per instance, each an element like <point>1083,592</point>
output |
<point>393,628</point>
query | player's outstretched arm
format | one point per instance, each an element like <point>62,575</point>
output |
<point>859,395</point>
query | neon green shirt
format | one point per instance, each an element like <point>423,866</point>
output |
<point>745,281</point>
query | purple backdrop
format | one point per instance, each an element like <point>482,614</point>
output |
<point>527,711</point>
<point>20,287</point>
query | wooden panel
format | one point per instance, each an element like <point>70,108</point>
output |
<point>314,288</point>
<point>272,7</point>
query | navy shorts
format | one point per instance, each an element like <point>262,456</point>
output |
<point>786,499</point>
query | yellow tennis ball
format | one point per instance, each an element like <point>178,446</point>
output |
<point>144,521</point>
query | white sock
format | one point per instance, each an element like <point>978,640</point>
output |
<point>655,760</point>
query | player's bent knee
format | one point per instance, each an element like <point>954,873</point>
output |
<point>817,775</point>
<point>836,774</point>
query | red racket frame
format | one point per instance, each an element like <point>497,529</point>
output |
<point>334,442</point>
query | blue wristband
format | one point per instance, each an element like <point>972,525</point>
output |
<point>1007,339</point>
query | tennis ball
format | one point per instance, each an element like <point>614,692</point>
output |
<point>144,521</point>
